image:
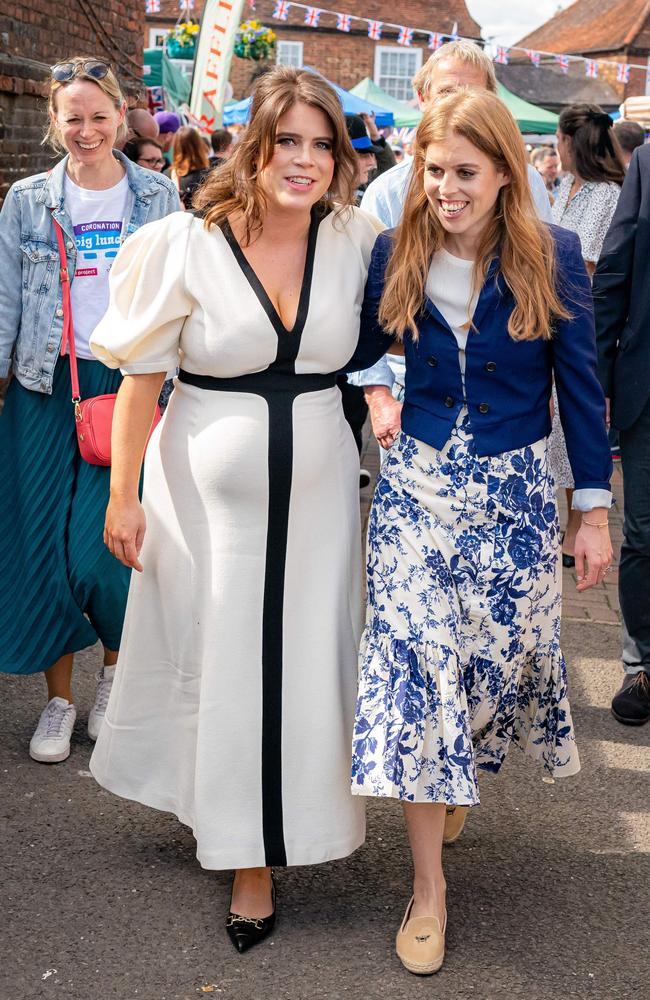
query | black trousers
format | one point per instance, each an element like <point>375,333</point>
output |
<point>634,573</point>
<point>355,408</point>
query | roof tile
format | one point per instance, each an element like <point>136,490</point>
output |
<point>590,26</point>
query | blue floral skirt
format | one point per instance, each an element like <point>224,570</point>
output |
<point>460,656</point>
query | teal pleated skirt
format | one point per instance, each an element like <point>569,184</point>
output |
<point>60,588</point>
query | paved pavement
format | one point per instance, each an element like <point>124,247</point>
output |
<point>547,888</point>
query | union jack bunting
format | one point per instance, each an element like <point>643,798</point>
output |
<point>534,57</point>
<point>281,12</point>
<point>622,72</point>
<point>591,68</point>
<point>502,55</point>
<point>184,4</point>
<point>343,22</point>
<point>563,62</point>
<point>152,6</point>
<point>405,36</point>
<point>374,30</point>
<point>435,40</point>
<point>312,17</point>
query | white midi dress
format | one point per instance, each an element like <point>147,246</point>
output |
<point>233,701</point>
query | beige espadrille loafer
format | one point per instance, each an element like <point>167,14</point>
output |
<point>420,943</point>
<point>454,823</point>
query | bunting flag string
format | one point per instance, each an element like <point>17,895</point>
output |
<point>281,12</point>
<point>312,17</point>
<point>406,36</point>
<point>623,73</point>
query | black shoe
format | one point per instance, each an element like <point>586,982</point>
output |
<point>364,478</point>
<point>631,703</point>
<point>244,932</point>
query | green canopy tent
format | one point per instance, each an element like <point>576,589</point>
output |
<point>160,71</point>
<point>530,119</point>
<point>405,116</point>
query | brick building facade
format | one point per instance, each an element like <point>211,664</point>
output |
<point>35,35</point>
<point>343,57</point>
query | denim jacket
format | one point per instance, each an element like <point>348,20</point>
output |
<point>31,312</point>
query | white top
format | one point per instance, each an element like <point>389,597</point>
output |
<point>589,213</point>
<point>449,286</point>
<point>178,295</point>
<point>385,196</point>
<point>98,221</point>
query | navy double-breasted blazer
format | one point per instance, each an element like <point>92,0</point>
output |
<point>507,382</point>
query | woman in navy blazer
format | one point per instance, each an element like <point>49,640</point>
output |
<point>461,655</point>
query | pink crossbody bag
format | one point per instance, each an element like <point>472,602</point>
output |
<point>93,416</point>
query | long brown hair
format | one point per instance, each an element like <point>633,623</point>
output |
<point>189,152</point>
<point>234,188</point>
<point>524,244</point>
<point>596,151</point>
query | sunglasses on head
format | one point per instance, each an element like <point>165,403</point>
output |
<point>62,72</point>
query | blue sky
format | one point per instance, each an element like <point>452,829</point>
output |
<point>506,21</point>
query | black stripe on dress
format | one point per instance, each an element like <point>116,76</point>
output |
<point>280,471</point>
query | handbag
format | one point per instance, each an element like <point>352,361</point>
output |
<point>93,416</point>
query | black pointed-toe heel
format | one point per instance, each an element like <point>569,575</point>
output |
<point>245,932</point>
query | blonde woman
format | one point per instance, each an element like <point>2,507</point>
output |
<point>234,699</point>
<point>59,589</point>
<point>461,652</point>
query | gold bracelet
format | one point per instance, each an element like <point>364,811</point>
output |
<point>601,524</point>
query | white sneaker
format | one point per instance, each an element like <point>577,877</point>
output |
<point>51,741</point>
<point>103,693</point>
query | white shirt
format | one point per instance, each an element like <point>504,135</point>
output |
<point>98,221</point>
<point>449,286</point>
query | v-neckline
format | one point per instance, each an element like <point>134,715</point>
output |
<point>261,292</point>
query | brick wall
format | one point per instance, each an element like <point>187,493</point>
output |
<point>37,34</point>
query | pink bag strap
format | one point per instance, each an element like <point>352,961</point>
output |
<point>67,339</point>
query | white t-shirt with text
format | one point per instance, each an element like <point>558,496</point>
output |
<point>98,220</point>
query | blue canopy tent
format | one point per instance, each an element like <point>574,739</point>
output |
<point>237,113</point>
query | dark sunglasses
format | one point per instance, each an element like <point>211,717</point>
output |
<point>62,72</point>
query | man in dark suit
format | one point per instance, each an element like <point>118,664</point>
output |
<point>621,290</point>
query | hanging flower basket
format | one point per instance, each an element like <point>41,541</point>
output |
<point>181,40</point>
<point>254,41</point>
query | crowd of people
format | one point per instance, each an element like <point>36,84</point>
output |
<point>287,295</point>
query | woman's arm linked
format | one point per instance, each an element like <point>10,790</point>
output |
<point>134,412</point>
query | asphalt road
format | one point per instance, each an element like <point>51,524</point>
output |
<point>547,888</point>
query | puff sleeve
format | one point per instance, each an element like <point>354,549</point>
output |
<point>140,332</point>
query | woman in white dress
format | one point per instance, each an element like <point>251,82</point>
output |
<point>234,698</point>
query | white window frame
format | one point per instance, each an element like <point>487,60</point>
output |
<point>400,50</point>
<point>289,46</point>
<point>154,35</point>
